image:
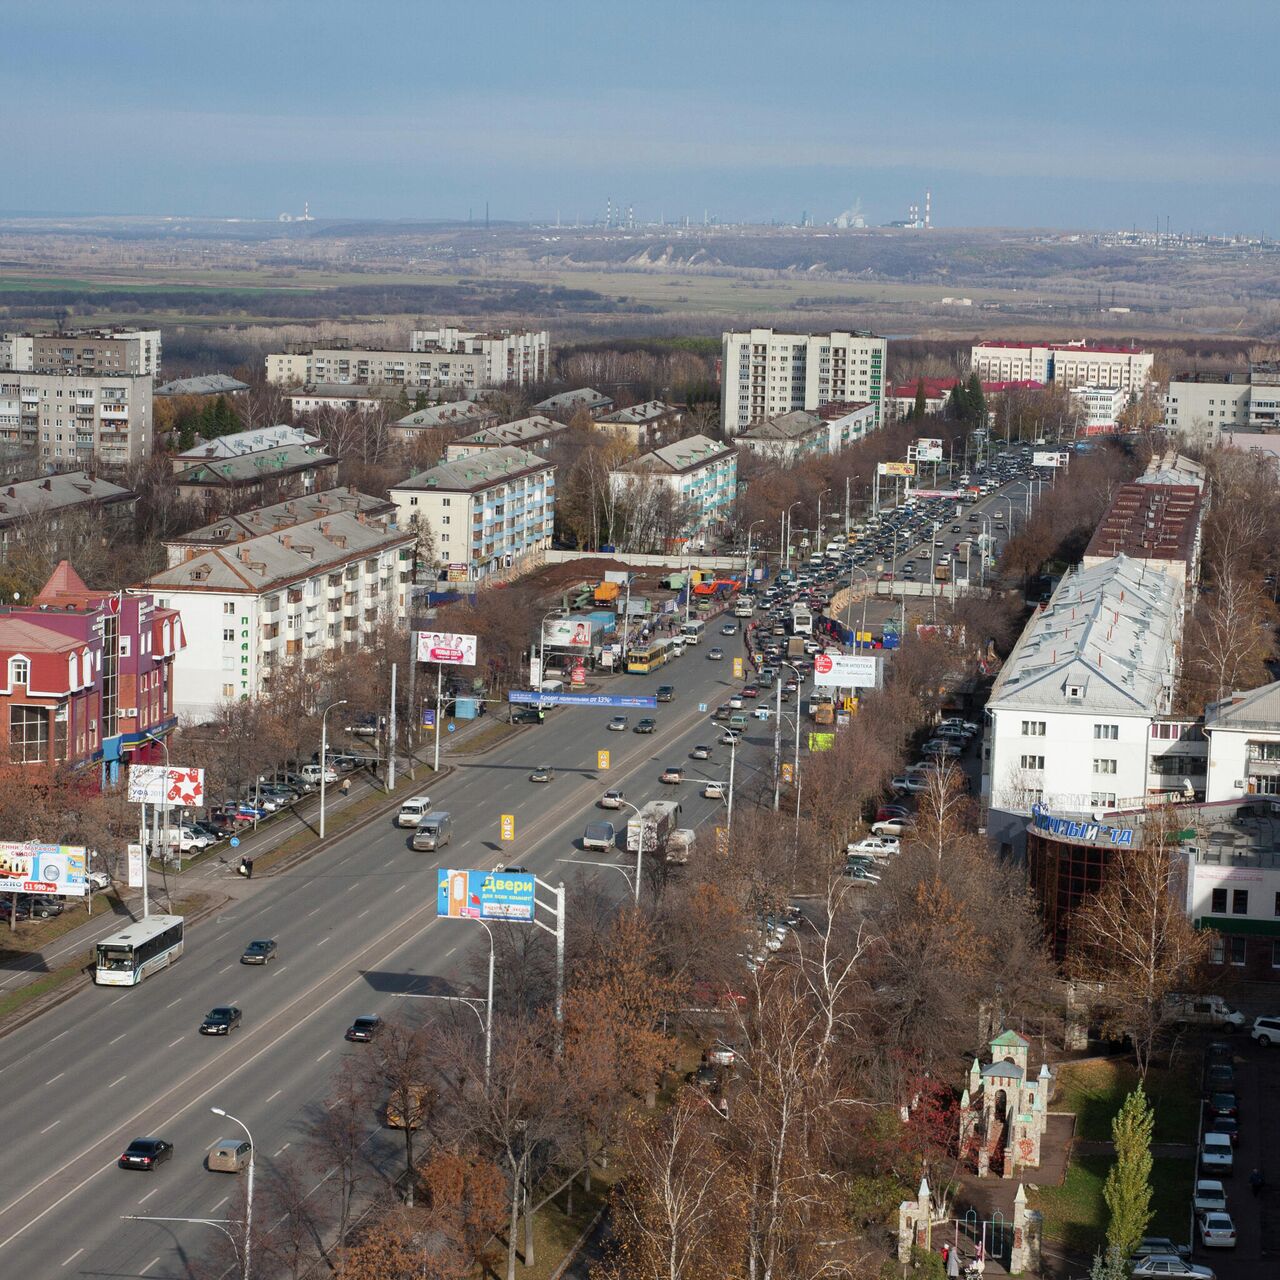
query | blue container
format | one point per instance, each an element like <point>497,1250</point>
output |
<point>466,708</point>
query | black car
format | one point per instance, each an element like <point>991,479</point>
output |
<point>363,1029</point>
<point>647,725</point>
<point>526,715</point>
<point>43,906</point>
<point>145,1153</point>
<point>221,1021</point>
<point>259,952</point>
<point>666,692</point>
<point>213,828</point>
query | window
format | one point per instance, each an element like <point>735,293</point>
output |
<point>1239,951</point>
<point>1104,766</point>
<point>1217,951</point>
<point>1277,906</point>
<point>1275,955</point>
<point>1033,728</point>
<point>1110,731</point>
<point>1103,799</point>
<point>1218,902</point>
<point>1074,691</point>
<point>19,672</point>
<point>228,606</point>
<point>28,734</point>
<point>1033,762</point>
<point>228,691</point>
<point>228,633</point>
<point>1240,902</point>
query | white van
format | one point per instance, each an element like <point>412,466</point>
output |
<point>836,549</point>
<point>413,811</point>
<point>1215,1154</point>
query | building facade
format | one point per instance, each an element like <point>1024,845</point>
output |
<point>848,422</point>
<point>1199,407</point>
<point>646,423</point>
<point>510,358</point>
<point>482,514</point>
<point>765,374</point>
<point>48,509</point>
<point>297,594</point>
<point>698,471</point>
<point>565,404</point>
<point>1099,408</point>
<point>265,475</point>
<point>88,675</point>
<point>1068,364</point>
<point>78,420</point>
<point>536,434</point>
<point>335,397</point>
<point>85,351</point>
<point>788,438</point>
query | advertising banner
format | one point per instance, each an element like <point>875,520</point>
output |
<point>567,633</point>
<point>156,784</point>
<point>929,450</point>
<point>896,468</point>
<point>1050,458</point>
<point>485,895</point>
<point>531,698</point>
<point>846,671</point>
<point>135,866</point>
<point>578,675</point>
<point>447,647</point>
<point>29,867</point>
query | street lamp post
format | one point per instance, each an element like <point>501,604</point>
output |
<point>750,527</point>
<point>786,525</point>
<point>866,590</point>
<point>324,754</point>
<point>639,846</point>
<point>164,823</point>
<point>822,495</point>
<point>248,1213</point>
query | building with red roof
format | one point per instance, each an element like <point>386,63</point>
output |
<point>86,675</point>
<point>1068,364</point>
<point>902,398</point>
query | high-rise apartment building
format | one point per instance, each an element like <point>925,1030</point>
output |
<point>766,374</point>
<point>1069,364</point>
<point>78,420</point>
<point>510,358</point>
<point>86,351</point>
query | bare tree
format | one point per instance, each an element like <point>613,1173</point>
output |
<point>402,1067</point>
<point>336,1133</point>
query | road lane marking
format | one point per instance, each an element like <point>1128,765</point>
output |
<point>56,1078</point>
<point>350,887</point>
<point>401,888</point>
<point>450,952</point>
<point>323,941</point>
<point>224,968</point>
<point>148,1195</point>
<point>275,1095</point>
<point>149,1265</point>
<point>316,912</point>
<point>173,1002</point>
<point>73,1257</point>
<point>179,1040</point>
<point>118,1038</point>
<point>364,913</point>
<point>388,862</point>
<point>117,1000</point>
<point>219,1205</point>
<point>281,1151</point>
<point>282,968</point>
<point>324,1055</point>
<point>46,1129</point>
<point>116,1081</point>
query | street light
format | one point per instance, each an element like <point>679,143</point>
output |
<point>786,536</point>
<point>324,754</point>
<point>751,526</point>
<point>820,497</point>
<point>777,736</point>
<point>857,568</point>
<point>164,822</point>
<point>639,846</point>
<point>248,1213</point>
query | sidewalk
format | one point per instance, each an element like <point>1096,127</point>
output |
<point>215,874</point>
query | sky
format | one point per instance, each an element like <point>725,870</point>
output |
<point>1088,114</point>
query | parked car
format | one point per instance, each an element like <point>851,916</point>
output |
<point>1216,1155</point>
<point>897,826</point>
<point>364,1028</point>
<point>1149,1245</point>
<point>618,724</point>
<point>1266,1031</point>
<point>876,846</point>
<point>1217,1231</point>
<point>1227,1125</point>
<point>1220,1078</point>
<point>98,881</point>
<point>672,774</point>
<point>612,799</point>
<point>313,773</point>
<point>940,747</point>
<point>856,871</point>
<point>720,1055</point>
<point>1222,1104</point>
<point>145,1153</point>
<point>220,1021</point>
<point>909,782</point>
<point>259,952</point>
<point>1209,1195</point>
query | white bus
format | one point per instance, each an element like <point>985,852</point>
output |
<point>693,631</point>
<point>652,825</point>
<point>801,620</point>
<point>125,958</point>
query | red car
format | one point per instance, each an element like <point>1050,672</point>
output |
<point>750,691</point>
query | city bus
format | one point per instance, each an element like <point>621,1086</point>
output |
<point>649,657</point>
<point>125,958</point>
<point>801,620</point>
<point>693,631</point>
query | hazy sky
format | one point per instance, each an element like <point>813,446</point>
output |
<point>1090,113</point>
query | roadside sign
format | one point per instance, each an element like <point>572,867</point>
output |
<point>579,674</point>
<point>737,668</point>
<point>786,771</point>
<point>484,895</point>
<point>508,826</point>
<point>602,760</point>
<point>451,727</point>
<point>722,842</point>
<point>235,842</point>
<point>428,717</point>
<point>531,697</point>
<point>702,708</point>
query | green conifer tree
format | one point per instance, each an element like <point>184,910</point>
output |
<point>1127,1190</point>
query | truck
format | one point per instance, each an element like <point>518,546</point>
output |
<point>942,573</point>
<point>1203,1011</point>
<point>652,825</point>
<point>795,647</point>
<point>607,592</point>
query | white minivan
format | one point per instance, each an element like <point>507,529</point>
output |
<point>413,811</point>
<point>1215,1154</point>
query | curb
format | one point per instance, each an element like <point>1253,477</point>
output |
<point>576,1247</point>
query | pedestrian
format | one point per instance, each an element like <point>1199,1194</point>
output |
<point>1256,1182</point>
<point>346,787</point>
<point>953,1264</point>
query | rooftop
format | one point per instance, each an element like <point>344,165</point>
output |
<point>451,413</point>
<point>522,431</point>
<point>1174,469</point>
<point>583,397</point>
<point>786,427</point>
<point>206,384</point>
<point>1253,709</point>
<point>1151,521</point>
<point>56,492</point>
<point>683,455</point>
<point>1080,347</point>
<point>640,414</point>
<point>935,387</point>
<point>1213,377</point>
<point>345,391</point>
<point>283,515</point>
<point>478,471</point>
<point>250,466</point>
<point>1105,641</point>
<point>274,560</point>
<point>242,442</point>
<point>838,408</point>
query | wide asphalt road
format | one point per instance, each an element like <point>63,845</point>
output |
<point>356,926</point>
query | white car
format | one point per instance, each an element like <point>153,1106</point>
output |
<point>1217,1231</point>
<point>876,846</point>
<point>715,790</point>
<point>909,782</point>
<point>413,811</point>
<point>1216,1155</point>
<point>1210,1196</point>
<point>720,1055</point>
<point>940,747</point>
<point>955,722</point>
<point>611,799</point>
<point>1266,1031</point>
<point>892,826</point>
<point>311,773</point>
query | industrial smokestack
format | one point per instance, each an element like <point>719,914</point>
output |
<point>928,199</point>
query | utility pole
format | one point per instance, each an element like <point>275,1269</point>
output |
<point>411,729</point>
<point>391,735</point>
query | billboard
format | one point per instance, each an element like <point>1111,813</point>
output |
<point>531,698</point>
<point>845,671</point>
<point>929,450</point>
<point>485,895</point>
<point>447,647</point>
<point>29,867</point>
<point>896,468</point>
<point>1050,458</point>
<point>159,784</point>
<point>567,633</point>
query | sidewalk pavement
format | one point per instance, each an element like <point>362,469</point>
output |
<point>214,874</point>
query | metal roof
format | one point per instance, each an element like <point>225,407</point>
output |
<point>478,471</point>
<point>205,384</point>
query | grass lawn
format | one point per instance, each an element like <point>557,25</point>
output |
<point>1095,1090</point>
<point>1076,1216</point>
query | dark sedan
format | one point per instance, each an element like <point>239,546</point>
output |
<point>363,1029</point>
<point>145,1153</point>
<point>259,951</point>
<point>221,1021</point>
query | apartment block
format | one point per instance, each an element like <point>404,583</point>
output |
<point>483,513</point>
<point>1199,407</point>
<point>45,509</point>
<point>1099,407</point>
<point>271,475</point>
<point>1069,364</point>
<point>87,351</point>
<point>564,405</point>
<point>644,423</point>
<point>787,438</point>
<point>511,358</point>
<point>536,433</point>
<point>697,470</point>
<point>765,374</point>
<point>293,595</point>
<point>88,675</point>
<point>78,420</point>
